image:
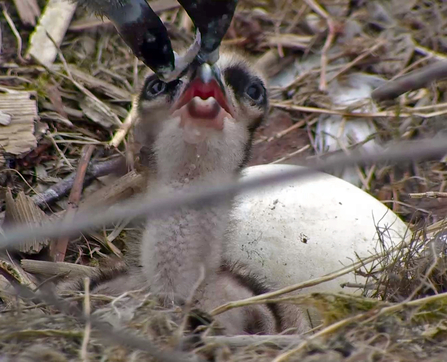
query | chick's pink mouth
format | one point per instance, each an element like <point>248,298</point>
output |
<point>202,105</point>
<point>204,91</point>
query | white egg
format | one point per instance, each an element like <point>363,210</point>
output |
<point>308,228</point>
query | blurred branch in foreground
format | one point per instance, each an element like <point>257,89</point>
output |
<point>412,81</point>
<point>408,151</point>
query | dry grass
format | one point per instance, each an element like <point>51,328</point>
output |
<point>402,316</point>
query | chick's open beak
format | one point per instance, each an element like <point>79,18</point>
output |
<point>204,103</point>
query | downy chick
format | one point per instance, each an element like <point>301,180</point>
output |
<point>197,132</point>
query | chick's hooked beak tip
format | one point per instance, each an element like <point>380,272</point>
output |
<point>203,105</point>
<point>205,90</point>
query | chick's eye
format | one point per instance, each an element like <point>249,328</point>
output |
<point>255,91</point>
<point>156,87</point>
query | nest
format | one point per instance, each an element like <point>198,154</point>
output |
<point>68,115</point>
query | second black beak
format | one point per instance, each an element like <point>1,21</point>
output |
<point>212,18</point>
<point>145,34</point>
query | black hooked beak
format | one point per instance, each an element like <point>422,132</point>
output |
<point>212,18</point>
<point>141,29</point>
<point>145,34</point>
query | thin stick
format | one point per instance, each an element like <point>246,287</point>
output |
<point>291,107</point>
<point>62,188</point>
<point>190,301</point>
<point>428,194</point>
<point>329,40</point>
<point>430,106</point>
<point>59,248</point>
<point>294,153</point>
<point>413,303</point>
<point>290,129</point>
<point>357,60</point>
<point>284,132</point>
<point>412,66</point>
<point>429,52</point>
<point>70,166</point>
<point>88,327</point>
<point>369,176</point>
<point>336,326</point>
<point>395,114</point>
<point>135,76</point>
<point>16,34</point>
<point>425,278</point>
<point>394,201</point>
<point>332,328</point>
<point>125,127</point>
<point>309,283</point>
<point>327,44</point>
<point>76,191</point>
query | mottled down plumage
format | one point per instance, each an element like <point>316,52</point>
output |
<point>184,154</point>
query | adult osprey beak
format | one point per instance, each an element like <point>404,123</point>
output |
<point>212,18</point>
<point>204,102</point>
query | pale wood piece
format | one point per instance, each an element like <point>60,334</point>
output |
<point>55,21</point>
<point>12,275</point>
<point>17,138</point>
<point>49,268</point>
